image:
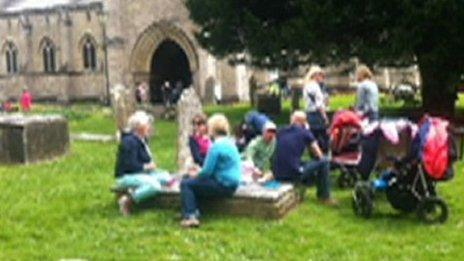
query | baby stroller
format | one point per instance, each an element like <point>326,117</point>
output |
<point>345,146</point>
<point>411,184</point>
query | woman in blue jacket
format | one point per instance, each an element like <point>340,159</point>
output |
<point>219,177</point>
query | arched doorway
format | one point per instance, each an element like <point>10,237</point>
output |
<point>169,64</point>
<point>146,62</point>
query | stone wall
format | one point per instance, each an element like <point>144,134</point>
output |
<point>65,28</point>
<point>128,31</point>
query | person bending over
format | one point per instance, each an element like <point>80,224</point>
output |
<point>136,172</point>
<point>219,177</point>
<point>251,127</point>
<point>288,166</point>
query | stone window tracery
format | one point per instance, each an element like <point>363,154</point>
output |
<point>11,55</point>
<point>89,55</point>
<point>49,58</point>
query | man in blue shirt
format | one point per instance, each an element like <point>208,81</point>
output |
<point>292,142</point>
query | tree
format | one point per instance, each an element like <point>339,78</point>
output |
<point>276,33</point>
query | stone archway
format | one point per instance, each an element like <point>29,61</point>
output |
<point>155,42</point>
<point>169,64</point>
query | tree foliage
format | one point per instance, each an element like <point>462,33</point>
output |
<point>276,33</point>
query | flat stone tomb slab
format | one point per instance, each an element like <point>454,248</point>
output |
<point>28,139</point>
<point>248,201</point>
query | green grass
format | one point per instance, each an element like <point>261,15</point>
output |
<point>63,209</point>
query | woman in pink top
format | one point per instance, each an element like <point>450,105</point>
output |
<point>26,101</point>
<point>199,141</point>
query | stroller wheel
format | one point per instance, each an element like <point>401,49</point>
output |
<point>347,179</point>
<point>363,201</point>
<point>433,210</point>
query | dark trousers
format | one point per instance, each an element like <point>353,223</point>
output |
<point>316,171</point>
<point>373,116</point>
<point>319,129</point>
<point>192,189</point>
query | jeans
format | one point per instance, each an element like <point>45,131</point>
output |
<point>191,189</point>
<point>145,185</point>
<point>319,129</point>
<point>318,170</point>
<point>372,116</point>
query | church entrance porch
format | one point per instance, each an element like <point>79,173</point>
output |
<point>170,73</point>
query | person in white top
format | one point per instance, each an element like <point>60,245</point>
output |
<point>316,106</point>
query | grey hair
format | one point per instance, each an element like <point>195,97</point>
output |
<point>298,115</point>
<point>139,118</point>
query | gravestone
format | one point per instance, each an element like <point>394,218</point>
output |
<point>209,91</point>
<point>123,101</point>
<point>188,106</point>
<point>30,139</point>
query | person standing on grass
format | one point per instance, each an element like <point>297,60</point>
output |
<point>219,177</point>
<point>368,94</point>
<point>288,166</point>
<point>26,101</point>
<point>316,106</point>
<point>136,172</point>
<point>199,141</point>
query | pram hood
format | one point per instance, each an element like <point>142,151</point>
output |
<point>341,120</point>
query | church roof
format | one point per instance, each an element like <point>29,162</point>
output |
<point>12,6</point>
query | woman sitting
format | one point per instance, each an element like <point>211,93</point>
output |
<point>199,141</point>
<point>219,177</point>
<point>136,172</point>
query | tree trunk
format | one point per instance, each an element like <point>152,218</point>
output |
<point>438,92</point>
<point>296,96</point>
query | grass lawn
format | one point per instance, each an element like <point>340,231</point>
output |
<point>64,209</point>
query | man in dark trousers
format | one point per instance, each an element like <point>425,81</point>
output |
<point>288,166</point>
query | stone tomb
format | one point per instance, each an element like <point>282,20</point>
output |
<point>251,200</point>
<point>30,139</point>
<point>248,201</point>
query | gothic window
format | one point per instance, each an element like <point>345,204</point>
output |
<point>49,58</point>
<point>90,55</point>
<point>11,55</point>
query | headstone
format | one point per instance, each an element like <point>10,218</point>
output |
<point>209,90</point>
<point>188,106</point>
<point>123,101</point>
<point>30,139</point>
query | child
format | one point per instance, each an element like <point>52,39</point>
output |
<point>199,141</point>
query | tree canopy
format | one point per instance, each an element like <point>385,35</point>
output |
<point>276,33</point>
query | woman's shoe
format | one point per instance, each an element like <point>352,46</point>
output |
<point>329,202</point>
<point>125,205</point>
<point>190,223</point>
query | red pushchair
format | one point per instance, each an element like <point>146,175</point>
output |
<point>345,146</point>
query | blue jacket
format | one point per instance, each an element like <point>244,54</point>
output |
<point>132,155</point>
<point>223,163</point>
<point>256,120</point>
